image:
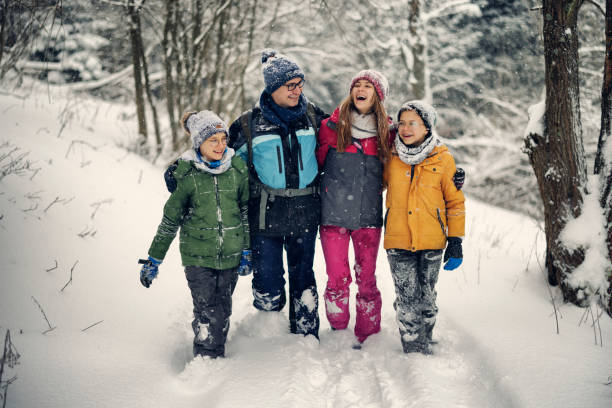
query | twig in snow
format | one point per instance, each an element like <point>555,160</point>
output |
<point>52,268</point>
<point>596,325</point>
<point>82,142</point>
<point>44,315</point>
<point>59,200</point>
<point>609,381</point>
<point>552,298</point>
<point>95,324</point>
<point>593,325</point>
<point>10,357</point>
<point>87,231</point>
<point>35,173</point>
<point>98,204</point>
<point>70,280</point>
<point>584,317</point>
<point>140,177</point>
<point>32,208</point>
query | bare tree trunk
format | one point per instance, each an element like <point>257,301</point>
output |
<point>247,56</point>
<point>2,29</point>
<point>557,157</point>
<point>603,164</point>
<point>145,71</point>
<point>169,54</point>
<point>419,51</point>
<point>134,16</point>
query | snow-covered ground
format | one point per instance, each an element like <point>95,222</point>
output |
<point>92,208</point>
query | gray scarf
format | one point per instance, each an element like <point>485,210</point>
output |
<point>412,155</point>
<point>202,164</point>
<point>363,126</point>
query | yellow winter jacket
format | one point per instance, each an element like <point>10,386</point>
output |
<point>423,204</point>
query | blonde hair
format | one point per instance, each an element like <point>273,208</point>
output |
<point>343,129</point>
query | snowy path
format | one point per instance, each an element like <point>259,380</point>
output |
<point>279,370</point>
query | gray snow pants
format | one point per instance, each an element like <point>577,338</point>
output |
<point>415,275</point>
<point>211,291</point>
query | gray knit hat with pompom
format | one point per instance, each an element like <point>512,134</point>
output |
<point>277,69</point>
<point>202,125</point>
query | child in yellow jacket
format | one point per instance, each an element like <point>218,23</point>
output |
<point>425,214</point>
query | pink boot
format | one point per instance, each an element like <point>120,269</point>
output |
<point>334,241</point>
<point>365,243</point>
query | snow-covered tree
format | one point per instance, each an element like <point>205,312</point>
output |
<point>558,158</point>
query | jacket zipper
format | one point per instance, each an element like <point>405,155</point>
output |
<point>278,157</point>
<point>300,157</point>
<point>219,218</point>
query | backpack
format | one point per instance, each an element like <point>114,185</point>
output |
<point>245,124</point>
<point>262,190</point>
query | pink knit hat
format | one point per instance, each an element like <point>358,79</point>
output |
<point>377,79</point>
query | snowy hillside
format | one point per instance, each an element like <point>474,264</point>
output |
<point>90,207</point>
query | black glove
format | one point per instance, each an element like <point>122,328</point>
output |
<point>459,178</point>
<point>453,255</point>
<point>169,177</point>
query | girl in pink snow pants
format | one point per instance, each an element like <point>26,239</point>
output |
<point>353,146</point>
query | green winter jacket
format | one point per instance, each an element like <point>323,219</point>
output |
<point>211,210</point>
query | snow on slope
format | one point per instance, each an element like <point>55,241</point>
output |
<point>93,207</point>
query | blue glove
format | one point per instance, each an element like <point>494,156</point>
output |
<point>149,270</point>
<point>245,267</point>
<point>453,255</point>
<point>452,263</point>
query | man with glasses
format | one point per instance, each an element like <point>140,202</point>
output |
<point>277,139</point>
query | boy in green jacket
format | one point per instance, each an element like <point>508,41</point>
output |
<point>210,207</point>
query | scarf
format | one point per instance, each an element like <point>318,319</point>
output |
<point>363,126</point>
<point>412,155</point>
<point>278,115</point>
<point>216,167</point>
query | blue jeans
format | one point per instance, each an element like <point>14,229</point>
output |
<point>269,282</point>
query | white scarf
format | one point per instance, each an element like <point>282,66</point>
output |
<point>363,126</point>
<point>202,164</point>
<point>412,155</point>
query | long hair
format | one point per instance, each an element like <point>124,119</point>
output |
<point>382,127</point>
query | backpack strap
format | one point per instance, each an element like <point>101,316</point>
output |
<point>312,116</point>
<point>245,122</point>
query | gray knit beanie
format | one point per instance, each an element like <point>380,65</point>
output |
<point>277,69</point>
<point>202,125</point>
<point>424,110</point>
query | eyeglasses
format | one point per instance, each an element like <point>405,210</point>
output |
<point>293,85</point>
<point>216,141</point>
<point>412,124</point>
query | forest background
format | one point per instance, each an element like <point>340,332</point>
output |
<point>480,62</point>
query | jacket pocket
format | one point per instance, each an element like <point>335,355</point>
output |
<point>442,226</point>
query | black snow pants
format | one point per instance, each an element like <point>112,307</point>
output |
<point>415,275</point>
<point>211,291</point>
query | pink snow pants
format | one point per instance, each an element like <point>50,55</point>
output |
<point>335,242</point>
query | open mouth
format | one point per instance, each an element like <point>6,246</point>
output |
<point>361,98</point>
